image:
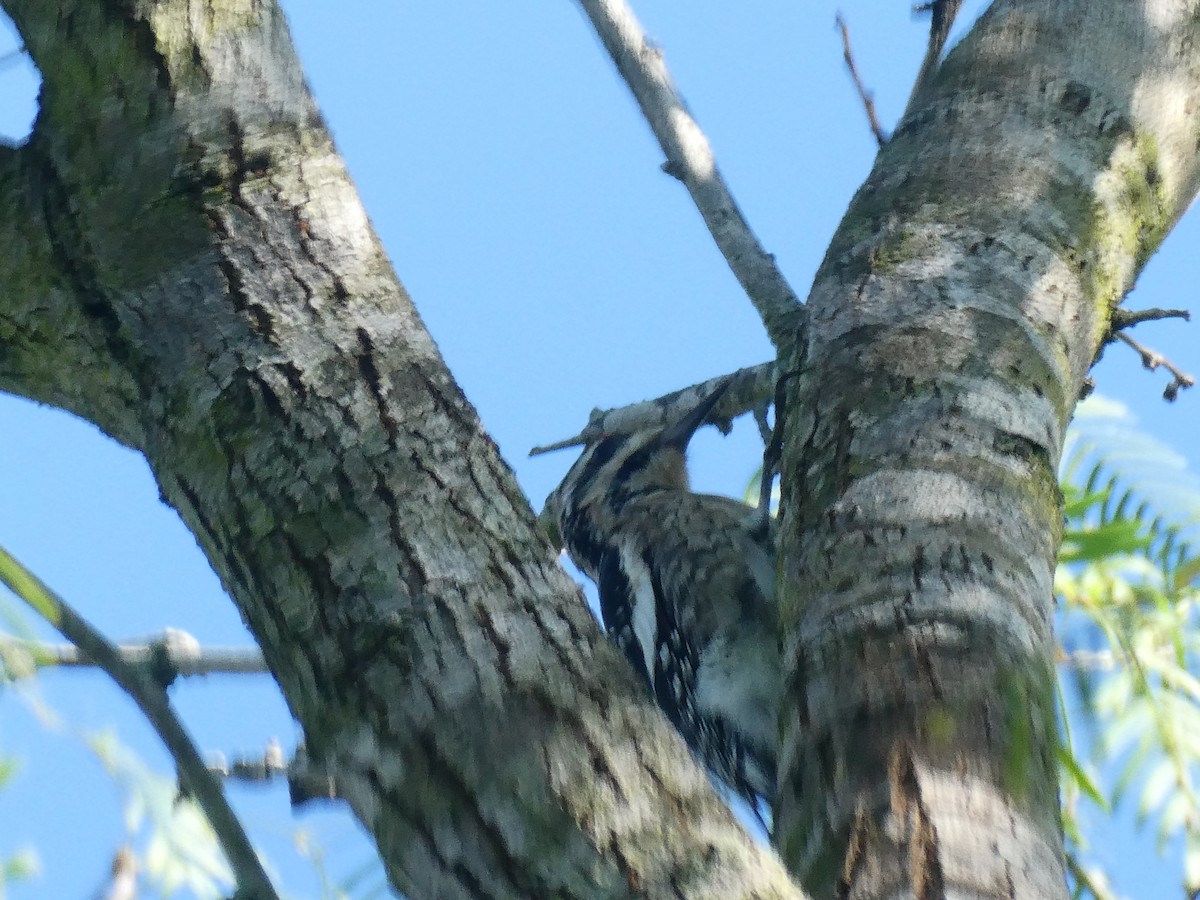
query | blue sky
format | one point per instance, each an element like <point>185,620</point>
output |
<point>518,193</point>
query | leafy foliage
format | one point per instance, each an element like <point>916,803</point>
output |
<point>24,862</point>
<point>180,850</point>
<point>1127,587</point>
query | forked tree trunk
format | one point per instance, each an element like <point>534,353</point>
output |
<point>184,262</point>
<point>953,320</point>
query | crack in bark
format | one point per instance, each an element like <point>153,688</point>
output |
<point>919,567</point>
<point>370,373</point>
<point>73,263</point>
<point>502,645</point>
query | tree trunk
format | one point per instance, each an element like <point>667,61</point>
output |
<point>185,262</point>
<point>953,320</point>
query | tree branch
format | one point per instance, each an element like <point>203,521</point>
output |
<point>299,417</point>
<point>151,697</point>
<point>948,343</point>
<point>1127,318</point>
<point>942,16</point>
<point>1152,359</point>
<point>690,159</point>
<point>11,57</point>
<point>306,781</point>
<point>1087,660</point>
<point>175,654</point>
<point>865,96</point>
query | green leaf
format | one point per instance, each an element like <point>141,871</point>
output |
<point>8,768</point>
<point>181,851</point>
<point>1109,539</point>
<point>1186,572</point>
<point>1078,503</point>
<point>1160,783</point>
<point>21,865</point>
<point>1080,778</point>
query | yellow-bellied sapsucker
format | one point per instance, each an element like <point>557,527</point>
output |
<point>687,591</point>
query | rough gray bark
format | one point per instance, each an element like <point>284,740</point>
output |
<point>953,320</point>
<point>185,262</point>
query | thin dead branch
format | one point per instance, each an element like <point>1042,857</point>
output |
<point>174,654</point>
<point>1152,360</point>
<point>1126,318</point>
<point>865,96</point>
<point>306,782</point>
<point>942,16</point>
<point>690,159</point>
<point>11,57</point>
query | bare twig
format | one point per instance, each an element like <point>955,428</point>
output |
<point>1087,660</point>
<point>867,98</point>
<point>306,782</point>
<point>1152,359</point>
<point>690,159</point>
<point>270,765</point>
<point>148,693</point>
<point>12,56</point>
<point>175,654</point>
<point>748,388</point>
<point>942,16</point>
<point>1127,318</point>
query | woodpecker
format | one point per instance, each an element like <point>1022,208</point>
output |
<point>687,592</point>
